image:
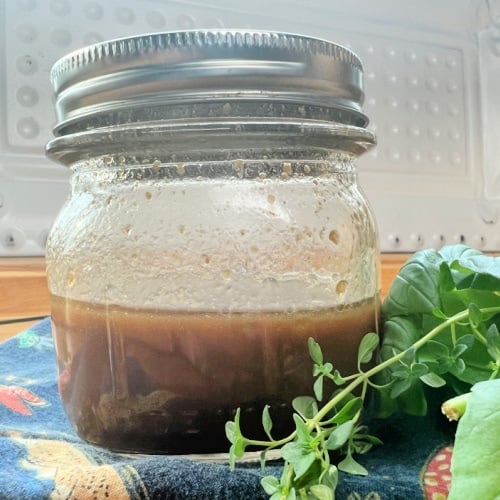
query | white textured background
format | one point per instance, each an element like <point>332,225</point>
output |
<point>432,74</point>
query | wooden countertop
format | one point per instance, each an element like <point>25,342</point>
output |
<point>24,294</point>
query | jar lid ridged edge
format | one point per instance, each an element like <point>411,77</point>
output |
<point>153,75</point>
<point>229,39</point>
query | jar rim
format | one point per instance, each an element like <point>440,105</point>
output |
<point>170,138</point>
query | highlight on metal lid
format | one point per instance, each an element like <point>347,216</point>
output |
<point>152,76</point>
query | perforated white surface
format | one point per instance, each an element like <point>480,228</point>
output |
<point>432,70</point>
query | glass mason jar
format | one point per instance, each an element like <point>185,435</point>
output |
<point>214,224</point>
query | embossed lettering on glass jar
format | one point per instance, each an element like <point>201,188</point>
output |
<point>214,224</point>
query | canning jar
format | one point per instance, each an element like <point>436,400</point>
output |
<point>214,224</point>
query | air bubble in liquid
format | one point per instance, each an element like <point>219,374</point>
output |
<point>334,236</point>
<point>239,165</point>
<point>181,170</point>
<point>341,287</point>
<point>286,169</point>
<point>71,279</point>
<point>156,166</point>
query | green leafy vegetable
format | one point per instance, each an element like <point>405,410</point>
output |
<point>476,453</point>
<point>430,287</point>
<point>441,326</point>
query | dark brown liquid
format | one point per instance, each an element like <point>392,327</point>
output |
<point>166,382</point>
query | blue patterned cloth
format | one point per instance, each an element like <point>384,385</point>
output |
<point>42,457</point>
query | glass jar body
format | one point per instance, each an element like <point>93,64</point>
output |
<point>183,289</point>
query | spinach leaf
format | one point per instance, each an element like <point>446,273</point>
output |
<point>476,452</point>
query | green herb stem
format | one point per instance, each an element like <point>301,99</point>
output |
<point>271,444</point>
<point>307,471</point>
<point>479,335</point>
<point>363,377</point>
<point>453,334</point>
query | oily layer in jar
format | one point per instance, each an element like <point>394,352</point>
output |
<point>166,381</point>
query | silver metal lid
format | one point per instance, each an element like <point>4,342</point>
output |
<point>114,82</point>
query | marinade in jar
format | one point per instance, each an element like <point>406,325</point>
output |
<point>167,381</point>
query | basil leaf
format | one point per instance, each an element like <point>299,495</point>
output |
<point>415,288</point>
<point>451,253</point>
<point>431,287</point>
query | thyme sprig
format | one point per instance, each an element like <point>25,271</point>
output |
<point>308,471</point>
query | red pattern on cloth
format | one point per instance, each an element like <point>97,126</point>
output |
<point>437,475</point>
<point>19,399</point>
